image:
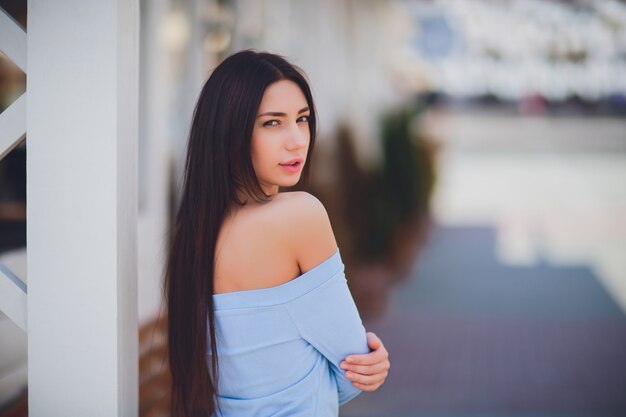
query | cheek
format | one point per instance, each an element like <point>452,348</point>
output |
<point>260,151</point>
<point>254,150</point>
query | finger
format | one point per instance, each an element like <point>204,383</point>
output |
<point>373,341</point>
<point>366,379</point>
<point>367,388</point>
<point>368,369</point>
<point>371,358</point>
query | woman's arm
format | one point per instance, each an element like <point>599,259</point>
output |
<point>326,317</point>
<point>368,371</point>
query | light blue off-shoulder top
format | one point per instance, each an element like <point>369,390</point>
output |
<point>279,348</point>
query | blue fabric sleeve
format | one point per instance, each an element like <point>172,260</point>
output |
<point>328,319</point>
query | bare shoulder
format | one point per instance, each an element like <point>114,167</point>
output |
<point>264,245</point>
<point>306,227</point>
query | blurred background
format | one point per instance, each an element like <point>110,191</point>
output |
<point>472,158</point>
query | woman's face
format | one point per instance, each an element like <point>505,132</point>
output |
<point>280,136</point>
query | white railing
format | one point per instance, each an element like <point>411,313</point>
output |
<point>12,297</point>
<point>12,133</point>
<point>12,40</point>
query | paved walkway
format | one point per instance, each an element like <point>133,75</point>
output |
<point>470,336</point>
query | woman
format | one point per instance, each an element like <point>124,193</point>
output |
<point>254,277</point>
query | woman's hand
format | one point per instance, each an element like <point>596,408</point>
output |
<point>368,371</point>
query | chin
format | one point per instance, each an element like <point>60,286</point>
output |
<point>289,183</point>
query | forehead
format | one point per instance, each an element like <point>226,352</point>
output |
<point>283,95</point>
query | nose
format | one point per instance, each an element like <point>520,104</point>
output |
<point>298,137</point>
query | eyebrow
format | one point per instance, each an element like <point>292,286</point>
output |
<point>279,114</point>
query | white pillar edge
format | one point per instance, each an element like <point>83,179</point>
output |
<point>128,21</point>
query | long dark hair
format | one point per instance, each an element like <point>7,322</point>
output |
<point>218,163</point>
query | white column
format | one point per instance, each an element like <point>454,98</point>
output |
<point>82,207</point>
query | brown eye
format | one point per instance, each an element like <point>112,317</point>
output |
<point>304,119</point>
<point>271,123</point>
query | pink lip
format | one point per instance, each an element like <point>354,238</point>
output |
<point>291,161</point>
<point>293,168</point>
